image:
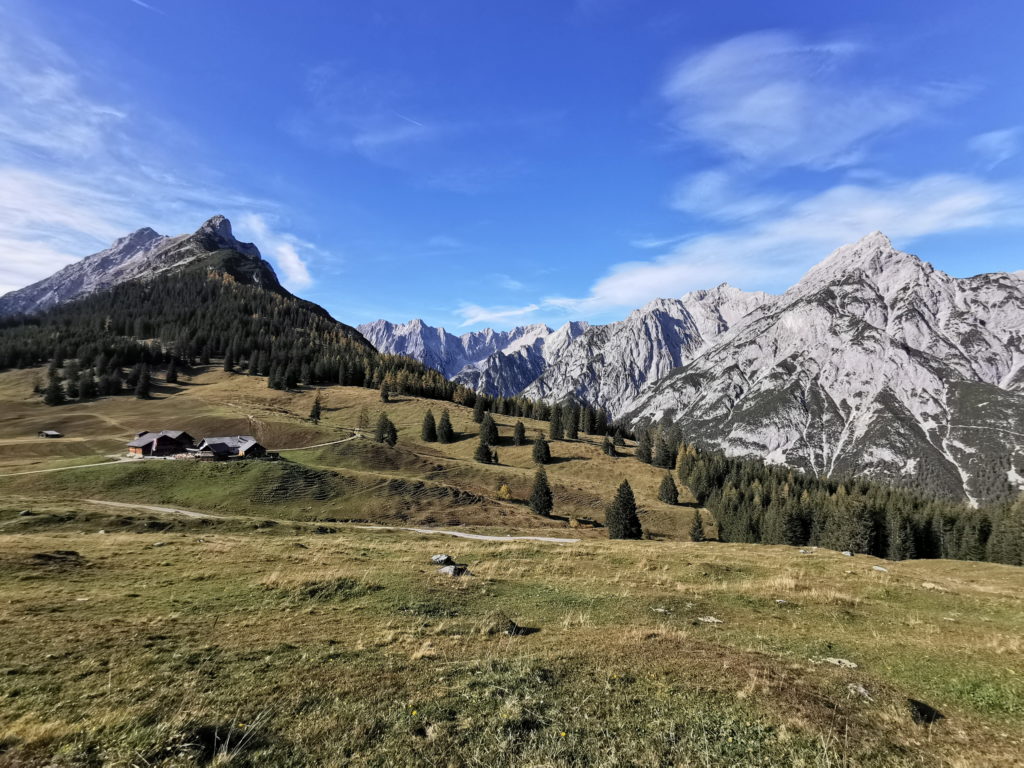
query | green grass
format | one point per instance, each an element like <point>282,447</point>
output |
<point>282,635</point>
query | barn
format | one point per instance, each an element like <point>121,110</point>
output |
<point>166,442</point>
<point>231,447</point>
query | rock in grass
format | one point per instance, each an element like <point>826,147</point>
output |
<point>160,544</point>
<point>847,553</point>
<point>454,570</point>
<point>879,568</point>
<point>709,619</point>
<point>844,663</point>
<point>442,560</point>
<point>26,513</point>
<point>856,689</point>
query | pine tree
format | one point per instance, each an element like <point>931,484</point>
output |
<point>662,454</point>
<point>385,396</point>
<point>317,409</point>
<point>171,377</point>
<point>541,499</point>
<point>570,421</point>
<point>668,492</point>
<point>488,430</point>
<point>519,434</point>
<point>643,447</point>
<point>363,419</point>
<point>555,425</point>
<point>54,392</point>
<point>901,538</point>
<point>479,410</point>
<point>697,527</point>
<point>428,432</point>
<point>621,519</point>
<point>86,386</point>
<point>445,433</point>
<point>541,451</point>
<point>385,431</point>
<point>608,447</point>
<point>483,453</point>
<point>144,384</point>
<point>229,360</point>
<point>618,441</point>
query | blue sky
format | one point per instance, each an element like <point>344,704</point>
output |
<point>476,165</point>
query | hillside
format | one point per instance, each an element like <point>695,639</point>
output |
<point>252,634</point>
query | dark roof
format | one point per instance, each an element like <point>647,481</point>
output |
<point>230,444</point>
<point>49,432</point>
<point>146,438</point>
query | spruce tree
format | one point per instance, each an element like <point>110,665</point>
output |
<point>519,434</point>
<point>555,431</point>
<point>445,433</point>
<point>618,441</point>
<point>488,430</point>
<point>479,410</point>
<point>385,396</point>
<point>697,527</point>
<point>570,421</point>
<point>144,384</point>
<point>86,386</point>
<point>385,431</point>
<point>668,492</point>
<point>317,409</point>
<point>541,499</point>
<point>608,447</point>
<point>229,361</point>
<point>643,447</point>
<point>621,519</point>
<point>171,377</point>
<point>483,453</point>
<point>541,451</point>
<point>428,432</point>
<point>54,392</point>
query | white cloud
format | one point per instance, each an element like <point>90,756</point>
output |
<point>776,250</point>
<point>473,314</point>
<point>770,98</point>
<point>714,194</point>
<point>281,247</point>
<point>996,147</point>
<point>76,171</point>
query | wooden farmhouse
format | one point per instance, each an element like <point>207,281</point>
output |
<point>166,442</point>
<point>235,446</point>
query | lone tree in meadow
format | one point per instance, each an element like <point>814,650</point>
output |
<point>519,434</point>
<point>385,431</point>
<point>445,433</point>
<point>541,451</point>
<point>479,409</point>
<point>621,519</point>
<point>541,500</point>
<point>171,377</point>
<point>385,395</point>
<point>428,432</point>
<point>317,409</point>
<point>608,447</point>
<point>668,491</point>
<point>697,527</point>
<point>488,430</point>
<point>483,453</point>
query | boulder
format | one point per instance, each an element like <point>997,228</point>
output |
<point>26,513</point>
<point>847,553</point>
<point>442,560</point>
<point>879,568</point>
<point>454,570</point>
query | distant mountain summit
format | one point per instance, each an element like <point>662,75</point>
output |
<point>145,254</point>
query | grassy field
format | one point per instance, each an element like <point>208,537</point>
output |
<point>282,634</point>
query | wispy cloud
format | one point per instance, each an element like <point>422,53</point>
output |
<point>996,147</point>
<point>283,248</point>
<point>772,98</point>
<point>775,250</point>
<point>77,171</point>
<point>473,314</point>
<point>148,7</point>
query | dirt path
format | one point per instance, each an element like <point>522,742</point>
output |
<point>167,510</point>
<point>318,445</point>
<point>476,536</point>
<point>65,469</point>
<point>458,534</point>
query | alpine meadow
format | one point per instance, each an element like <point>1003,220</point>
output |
<point>580,400</point>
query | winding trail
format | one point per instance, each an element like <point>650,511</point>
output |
<point>444,532</point>
<point>65,469</point>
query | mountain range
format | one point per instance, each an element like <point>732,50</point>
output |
<point>875,363</point>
